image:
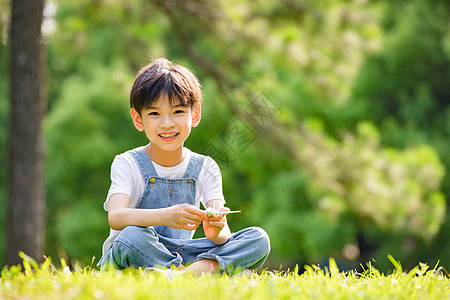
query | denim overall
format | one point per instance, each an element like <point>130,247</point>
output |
<point>162,246</point>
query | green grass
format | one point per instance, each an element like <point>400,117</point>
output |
<point>47,282</point>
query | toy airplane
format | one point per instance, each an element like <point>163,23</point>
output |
<point>212,212</point>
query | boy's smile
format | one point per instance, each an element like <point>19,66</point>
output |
<point>168,136</point>
<point>167,127</point>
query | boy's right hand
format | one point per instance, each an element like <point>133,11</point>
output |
<point>184,216</point>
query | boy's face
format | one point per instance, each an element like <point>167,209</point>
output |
<point>166,126</point>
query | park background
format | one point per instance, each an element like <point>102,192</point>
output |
<point>329,119</point>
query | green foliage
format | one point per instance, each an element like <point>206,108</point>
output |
<point>82,222</point>
<point>394,191</point>
<point>85,129</point>
<point>409,78</point>
<point>286,209</point>
<point>404,88</point>
<point>399,188</point>
<point>48,282</point>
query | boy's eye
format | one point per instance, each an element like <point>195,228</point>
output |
<point>153,113</point>
<point>179,111</point>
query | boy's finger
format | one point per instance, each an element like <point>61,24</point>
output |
<point>196,211</point>
<point>218,225</point>
<point>191,226</point>
<point>194,220</point>
<point>214,218</point>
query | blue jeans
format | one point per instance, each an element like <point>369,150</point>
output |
<point>143,247</point>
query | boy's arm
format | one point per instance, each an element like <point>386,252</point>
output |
<point>216,228</point>
<point>182,216</point>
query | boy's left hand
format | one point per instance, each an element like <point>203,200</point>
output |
<point>213,226</point>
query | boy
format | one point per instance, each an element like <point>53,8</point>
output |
<point>154,200</point>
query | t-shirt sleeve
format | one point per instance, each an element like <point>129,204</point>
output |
<point>211,179</point>
<point>121,178</point>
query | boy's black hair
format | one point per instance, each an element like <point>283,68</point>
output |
<point>163,78</point>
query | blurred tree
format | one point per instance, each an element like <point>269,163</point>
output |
<point>26,191</point>
<point>4,99</point>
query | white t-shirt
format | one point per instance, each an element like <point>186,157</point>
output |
<point>126,178</point>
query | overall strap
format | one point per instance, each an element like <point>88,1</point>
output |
<point>195,166</point>
<point>145,163</point>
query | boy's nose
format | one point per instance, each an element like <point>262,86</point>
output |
<point>167,121</point>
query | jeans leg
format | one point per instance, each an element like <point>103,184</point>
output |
<point>140,247</point>
<point>246,249</point>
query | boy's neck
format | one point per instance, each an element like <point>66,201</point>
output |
<point>165,158</point>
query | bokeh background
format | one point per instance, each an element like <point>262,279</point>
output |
<point>329,119</point>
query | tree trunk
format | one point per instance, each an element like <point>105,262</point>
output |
<point>26,190</point>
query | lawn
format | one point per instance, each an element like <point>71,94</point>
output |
<point>47,282</point>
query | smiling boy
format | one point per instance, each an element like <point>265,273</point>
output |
<point>154,199</point>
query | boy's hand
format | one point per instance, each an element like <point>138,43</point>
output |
<point>184,216</point>
<point>213,226</point>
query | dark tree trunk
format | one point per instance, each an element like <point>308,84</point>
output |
<point>26,190</point>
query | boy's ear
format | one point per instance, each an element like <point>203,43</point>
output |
<point>137,120</point>
<point>196,114</point>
